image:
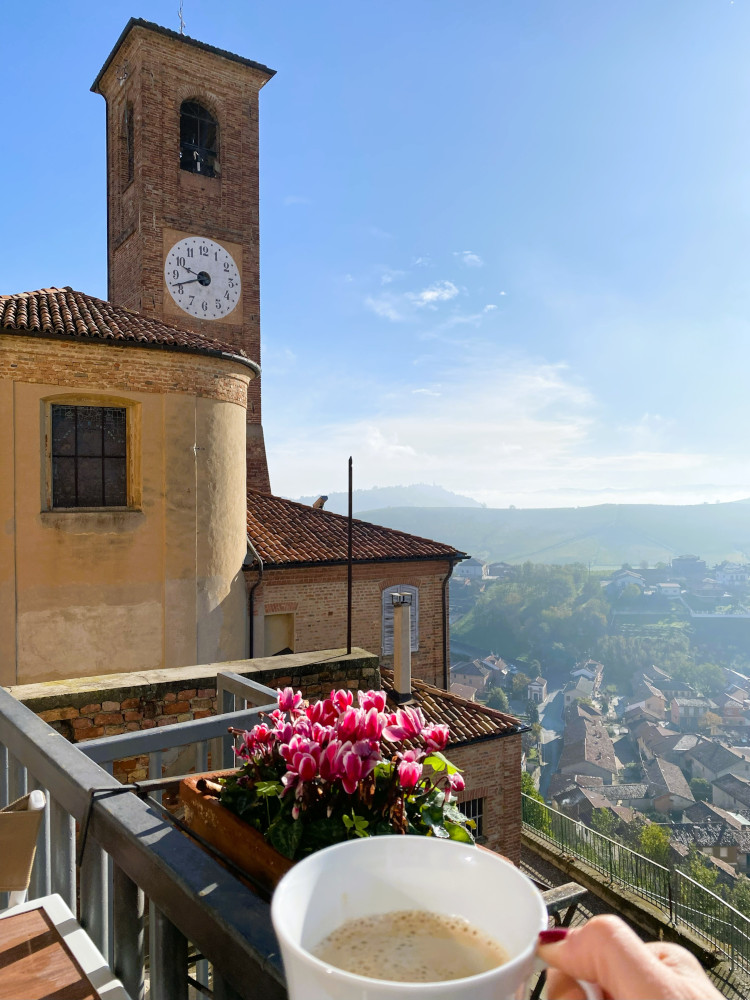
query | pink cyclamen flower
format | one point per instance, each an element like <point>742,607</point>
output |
<point>456,782</point>
<point>409,773</point>
<point>371,699</point>
<point>341,700</point>
<point>412,756</point>
<point>322,712</point>
<point>288,700</point>
<point>306,767</point>
<point>348,724</point>
<point>405,724</point>
<point>436,737</point>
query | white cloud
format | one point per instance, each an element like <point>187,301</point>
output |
<point>399,306</point>
<point>425,392</point>
<point>390,275</point>
<point>441,291</point>
<point>489,307</point>
<point>385,305</point>
<point>468,258</point>
<point>423,261</point>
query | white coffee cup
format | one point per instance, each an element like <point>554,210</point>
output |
<point>378,875</point>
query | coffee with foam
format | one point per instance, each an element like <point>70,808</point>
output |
<point>411,946</point>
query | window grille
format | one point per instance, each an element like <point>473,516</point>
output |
<point>89,456</point>
<point>387,617</point>
<point>474,809</point>
<point>199,134</point>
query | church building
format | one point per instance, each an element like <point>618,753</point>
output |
<point>139,526</point>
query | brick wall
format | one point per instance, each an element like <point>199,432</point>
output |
<point>113,704</point>
<point>154,73</point>
<point>492,771</point>
<point>95,367</point>
<point>317,598</point>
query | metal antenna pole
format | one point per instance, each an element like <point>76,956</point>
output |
<point>182,23</point>
<point>349,567</point>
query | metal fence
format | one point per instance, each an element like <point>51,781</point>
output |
<point>713,918</point>
<point>682,899</point>
<point>618,863</point>
<point>134,854</point>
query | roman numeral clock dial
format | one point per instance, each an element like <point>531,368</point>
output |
<point>202,278</point>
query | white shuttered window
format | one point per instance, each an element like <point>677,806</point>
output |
<point>387,617</point>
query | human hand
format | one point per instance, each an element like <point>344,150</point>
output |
<point>607,952</point>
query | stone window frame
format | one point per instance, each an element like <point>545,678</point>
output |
<point>386,616</point>
<point>134,488</point>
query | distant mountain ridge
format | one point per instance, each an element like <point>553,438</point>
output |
<point>380,497</point>
<point>606,535</point>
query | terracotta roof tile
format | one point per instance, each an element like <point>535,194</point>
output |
<point>467,720</point>
<point>287,533</point>
<point>65,313</point>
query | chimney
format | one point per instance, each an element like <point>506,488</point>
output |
<point>320,503</point>
<point>401,647</point>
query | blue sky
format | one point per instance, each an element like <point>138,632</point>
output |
<point>505,245</point>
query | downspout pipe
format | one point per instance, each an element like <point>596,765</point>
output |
<point>446,624</point>
<point>250,605</point>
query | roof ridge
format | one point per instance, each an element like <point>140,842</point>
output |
<point>321,512</point>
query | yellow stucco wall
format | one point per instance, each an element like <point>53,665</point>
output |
<point>159,585</point>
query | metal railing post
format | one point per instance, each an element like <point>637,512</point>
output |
<point>129,919</point>
<point>169,968</point>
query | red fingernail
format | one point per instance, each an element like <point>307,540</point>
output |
<point>551,937</point>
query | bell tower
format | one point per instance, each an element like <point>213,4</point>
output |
<point>182,193</point>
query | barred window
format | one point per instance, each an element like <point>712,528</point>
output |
<point>199,139</point>
<point>89,456</point>
<point>474,809</point>
<point>387,617</point>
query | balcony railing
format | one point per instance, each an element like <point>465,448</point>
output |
<point>682,900</point>
<point>130,852</point>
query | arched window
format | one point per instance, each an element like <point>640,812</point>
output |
<point>199,140</point>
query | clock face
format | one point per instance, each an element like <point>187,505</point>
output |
<point>202,278</point>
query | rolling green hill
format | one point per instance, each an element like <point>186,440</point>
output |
<point>606,536</point>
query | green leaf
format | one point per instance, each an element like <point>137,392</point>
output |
<point>268,788</point>
<point>348,822</point>
<point>285,836</point>
<point>456,832</point>
<point>431,810</point>
<point>439,762</point>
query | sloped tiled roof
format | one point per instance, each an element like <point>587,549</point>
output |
<point>662,774</point>
<point>62,313</point>
<point>468,721</point>
<point>737,788</point>
<point>714,756</point>
<point>287,533</point>
<point>588,742</point>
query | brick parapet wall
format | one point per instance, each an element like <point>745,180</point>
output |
<point>115,368</point>
<point>113,704</point>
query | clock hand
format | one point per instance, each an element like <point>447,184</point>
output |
<point>188,282</point>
